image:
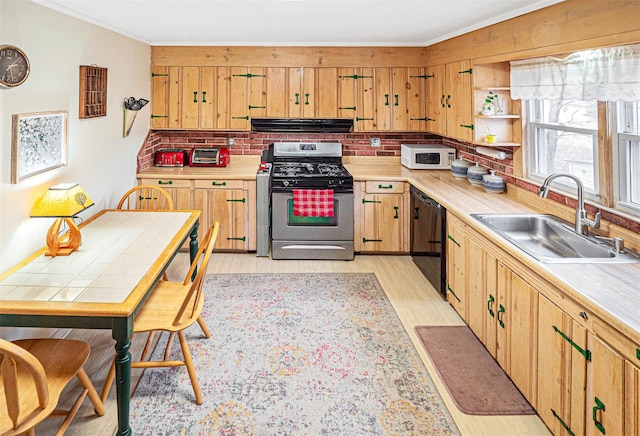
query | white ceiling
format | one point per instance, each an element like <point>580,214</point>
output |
<point>294,22</point>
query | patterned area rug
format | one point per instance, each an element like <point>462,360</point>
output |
<point>294,354</point>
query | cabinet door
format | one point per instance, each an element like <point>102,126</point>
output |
<point>190,97</point>
<point>383,99</point>
<point>239,98</point>
<point>436,107</point>
<point>632,399</point>
<point>327,94</point>
<point>227,207</point>
<point>257,83</point>
<point>517,330</point>
<point>458,101</point>
<point>223,98</point>
<point>416,99</point>
<point>605,404</point>
<point>160,100</point>
<point>365,114</point>
<point>207,97</point>
<point>481,268</point>
<point>456,267</point>
<point>562,364</point>
<point>347,89</point>
<point>276,94</point>
<point>399,95</point>
<point>301,92</point>
<point>383,217</point>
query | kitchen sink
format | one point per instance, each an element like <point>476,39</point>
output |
<point>550,239</point>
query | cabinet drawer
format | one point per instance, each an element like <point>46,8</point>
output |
<point>219,184</point>
<point>373,187</point>
<point>625,346</point>
<point>167,183</point>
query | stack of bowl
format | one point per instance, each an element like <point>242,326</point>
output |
<point>459,168</point>
<point>475,174</point>
<point>492,183</point>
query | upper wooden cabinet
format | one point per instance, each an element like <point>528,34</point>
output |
<point>301,92</point>
<point>449,110</point>
<point>377,99</point>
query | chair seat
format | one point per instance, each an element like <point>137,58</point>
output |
<point>61,360</point>
<point>162,307</point>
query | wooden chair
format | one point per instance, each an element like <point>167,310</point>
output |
<point>146,197</point>
<point>172,307</point>
<point>150,197</point>
<point>34,373</point>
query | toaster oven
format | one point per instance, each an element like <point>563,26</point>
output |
<point>170,157</point>
<point>209,157</point>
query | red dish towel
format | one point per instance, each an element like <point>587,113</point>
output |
<point>313,202</point>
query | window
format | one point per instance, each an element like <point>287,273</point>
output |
<point>628,156</point>
<point>563,138</point>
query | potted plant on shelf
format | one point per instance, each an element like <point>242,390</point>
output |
<point>491,104</point>
<point>491,138</point>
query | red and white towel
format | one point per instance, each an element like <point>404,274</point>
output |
<point>313,202</point>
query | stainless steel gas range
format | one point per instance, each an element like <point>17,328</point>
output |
<point>311,202</point>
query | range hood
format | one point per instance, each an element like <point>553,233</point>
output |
<point>302,125</point>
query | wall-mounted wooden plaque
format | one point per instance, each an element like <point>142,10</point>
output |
<point>93,92</point>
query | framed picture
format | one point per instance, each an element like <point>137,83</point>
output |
<point>39,143</point>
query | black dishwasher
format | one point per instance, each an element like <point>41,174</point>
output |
<point>428,237</point>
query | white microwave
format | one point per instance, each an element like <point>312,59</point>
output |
<point>427,156</point>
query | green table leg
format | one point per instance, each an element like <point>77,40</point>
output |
<point>122,329</point>
<point>193,247</point>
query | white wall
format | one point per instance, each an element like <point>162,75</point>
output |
<point>99,158</point>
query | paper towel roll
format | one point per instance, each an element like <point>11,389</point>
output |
<point>501,155</point>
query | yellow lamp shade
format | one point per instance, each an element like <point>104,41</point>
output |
<point>62,201</point>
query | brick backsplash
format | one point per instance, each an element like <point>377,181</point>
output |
<point>353,144</point>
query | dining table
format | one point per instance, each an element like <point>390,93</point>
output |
<point>103,284</point>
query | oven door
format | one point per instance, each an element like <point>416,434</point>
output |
<point>300,237</point>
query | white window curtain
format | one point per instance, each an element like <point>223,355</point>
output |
<point>609,74</point>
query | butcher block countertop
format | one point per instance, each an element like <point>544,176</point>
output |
<point>609,290</point>
<point>239,168</point>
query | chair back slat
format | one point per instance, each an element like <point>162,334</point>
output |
<point>146,197</point>
<point>14,359</point>
<point>194,296</point>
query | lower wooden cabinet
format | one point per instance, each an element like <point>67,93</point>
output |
<point>383,220</point>
<point>225,202</point>
<point>459,260</point>
<point>562,370</point>
<point>581,375</point>
<point>231,202</point>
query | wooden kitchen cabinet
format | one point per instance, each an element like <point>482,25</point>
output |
<point>457,257</point>
<point>613,396</point>
<point>400,100</point>
<point>179,189</point>
<point>183,98</point>
<point>224,201</point>
<point>562,360</point>
<point>449,108</point>
<point>301,92</point>
<point>516,318</point>
<point>327,94</point>
<point>481,267</point>
<point>383,217</point>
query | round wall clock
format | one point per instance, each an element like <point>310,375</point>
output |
<point>14,66</point>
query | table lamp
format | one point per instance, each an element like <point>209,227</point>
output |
<point>63,201</point>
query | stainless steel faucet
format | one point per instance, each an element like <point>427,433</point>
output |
<point>582,221</point>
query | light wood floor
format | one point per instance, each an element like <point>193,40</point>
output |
<point>414,299</point>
